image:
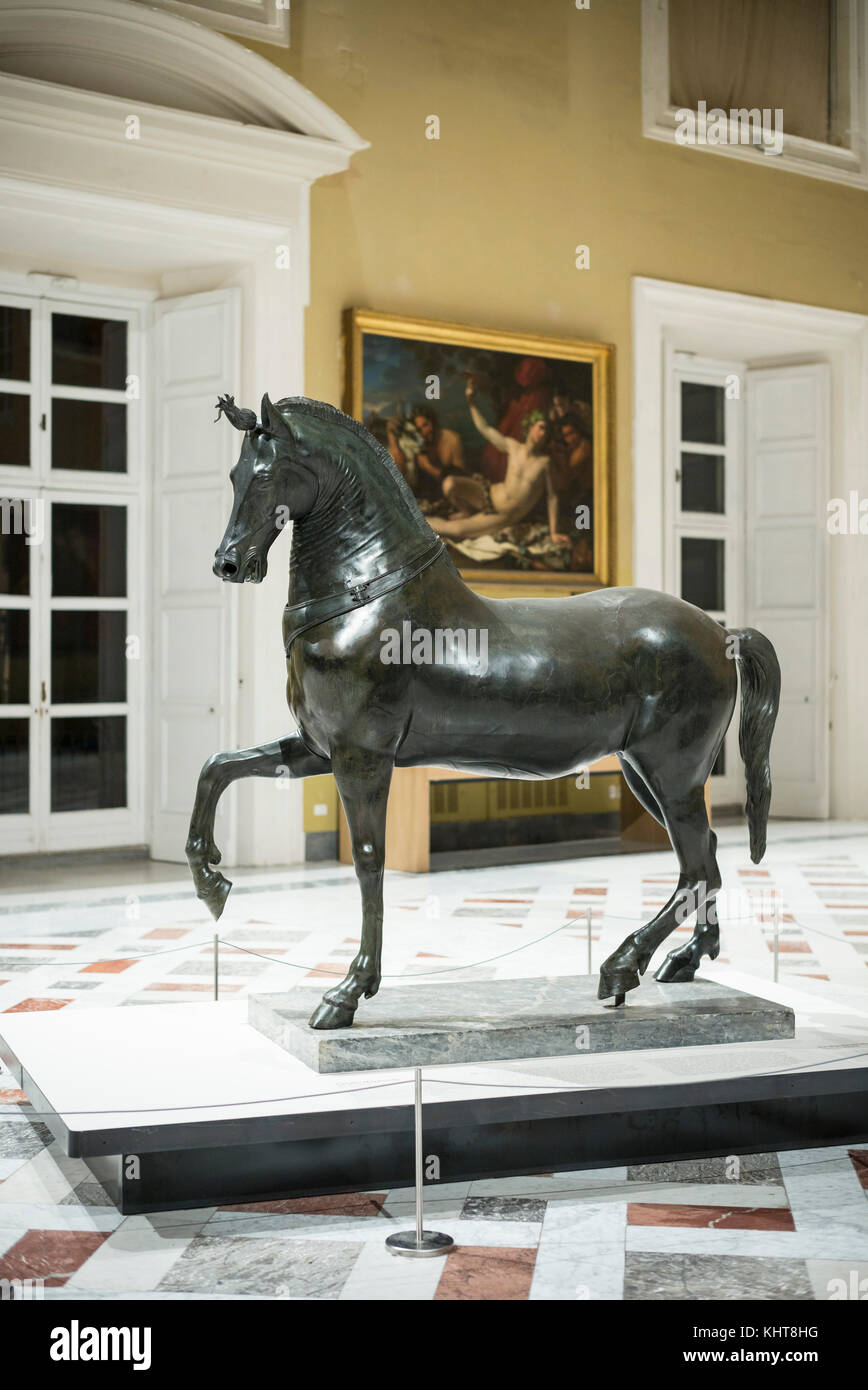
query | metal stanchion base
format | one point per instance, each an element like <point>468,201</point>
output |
<point>432,1243</point>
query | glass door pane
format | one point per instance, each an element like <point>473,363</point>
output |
<point>703,483</point>
<point>702,576</point>
<point>16,525</point>
<point>14,767</point>
<point>88,665</point>
<point>88,763</point>
<point>14,387</point>
<point>88,406</point>
<point>702,413</point>
<point>88,550</point>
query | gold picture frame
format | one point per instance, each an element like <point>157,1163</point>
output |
<point>594,366</point>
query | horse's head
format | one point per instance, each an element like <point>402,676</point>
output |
<point>272,483</point>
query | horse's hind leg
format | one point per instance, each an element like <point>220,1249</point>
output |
<point>686,820</point>
<point>683,961</point>
<point>363,779</point>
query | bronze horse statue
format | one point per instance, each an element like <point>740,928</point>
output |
<point>566,682</point>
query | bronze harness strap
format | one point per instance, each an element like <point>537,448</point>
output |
<point>298,617</point>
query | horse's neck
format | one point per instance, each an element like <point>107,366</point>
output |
<point>355,531</point>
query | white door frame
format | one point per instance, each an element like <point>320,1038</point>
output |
<point>206,194</point>
<point>765,332</point>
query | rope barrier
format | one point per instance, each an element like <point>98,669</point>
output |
<point>554,1086</point>
<point>603,917</point>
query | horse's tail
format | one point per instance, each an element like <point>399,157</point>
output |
<point>760,697</point>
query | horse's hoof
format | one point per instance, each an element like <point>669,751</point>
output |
<point>681,965</point>
<point>676,972</point>
<point>616,1002</point>
<point>620,973</point>
<point>617,981</point>
<point>215,895</point>
<point>328,1015</point>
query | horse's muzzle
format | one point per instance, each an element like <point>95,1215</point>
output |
<point>226,566</point>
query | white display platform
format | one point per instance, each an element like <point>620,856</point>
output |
<point>197,1080</point>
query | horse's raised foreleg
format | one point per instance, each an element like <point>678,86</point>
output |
<point>694,843</point>
<point>287,757</point>
<point>363,780</point>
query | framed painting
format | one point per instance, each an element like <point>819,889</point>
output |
<point>503,438</point>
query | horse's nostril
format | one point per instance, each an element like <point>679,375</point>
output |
<point>224,568</point>
<point>229,569</point>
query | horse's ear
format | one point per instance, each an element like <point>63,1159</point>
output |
<point>272,421</point>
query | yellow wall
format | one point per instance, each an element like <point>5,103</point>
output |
<point>540,149</point>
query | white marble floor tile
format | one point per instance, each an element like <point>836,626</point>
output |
<point>581,1253</point>
<point>381,1277</point>
<point>794,1245</point>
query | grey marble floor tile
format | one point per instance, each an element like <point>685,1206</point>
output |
<point>250,1265</point>
<point>75,984</point>
<point>89,1193</point>
<point>22,1140</point>
<point>757,1169</point>
<point>503,1209</point>
<point>711,1277</point>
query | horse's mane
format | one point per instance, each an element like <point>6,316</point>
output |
<point>322,410</point>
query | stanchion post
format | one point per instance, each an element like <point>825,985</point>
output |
<point>216,967</point>
<point>590,947</point>
<point>419,1242</point>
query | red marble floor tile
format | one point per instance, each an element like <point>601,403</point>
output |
<point>581,914</point>
<point>429,955</point>
<point>717,1218</point>
<point>38,946</point>
<point>50,1255</point>
<point>498,900</point>
<point>32,1006</point>
<point>409,907</point>
<point>166,933</point>
<point>804,975</point>
<point>791,948</point>
<point>12,1096</point>
<point>328,970</point>
<point>106,967</point>
<point>848,932</point>
<point>590,892</point>
<point>336,1204</point>
<point>754,873</point>
<point>4,982</point>
<point>481,1272</point>
<point>845,907</point>
<point>859,1159</point>
<point>352,941</point>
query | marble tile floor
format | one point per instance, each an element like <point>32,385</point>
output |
<point>788,1226</point>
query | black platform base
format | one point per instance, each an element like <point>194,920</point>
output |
<point>824,1108</point>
